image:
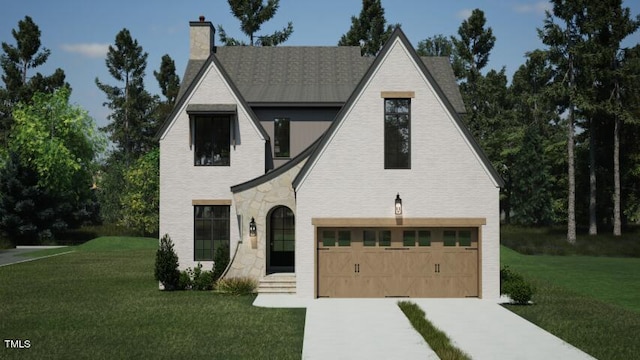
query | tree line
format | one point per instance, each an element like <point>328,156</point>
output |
<point>562,132</point>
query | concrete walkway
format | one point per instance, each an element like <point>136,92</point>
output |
<point>14,256</point>
<point>377,329</point>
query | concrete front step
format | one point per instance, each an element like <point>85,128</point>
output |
<point>277,284</point>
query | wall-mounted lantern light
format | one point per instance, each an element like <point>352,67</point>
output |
<point>398,205</point>
<point>253,231</point>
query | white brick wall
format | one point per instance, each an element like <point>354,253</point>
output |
<point>446,178</point>
<point>181,181</point>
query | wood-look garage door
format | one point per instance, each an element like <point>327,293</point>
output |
<point>397,262</point>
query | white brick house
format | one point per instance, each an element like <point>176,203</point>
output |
<point>328,173</point>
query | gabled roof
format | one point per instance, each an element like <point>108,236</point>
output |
<point>196,69</point>
<point>305,74</point>
<point>328,135</point>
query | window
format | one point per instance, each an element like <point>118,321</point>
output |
<point>369,237</point>
<point>449,238</point>
<point>397,139</point>
<point>409,238</point>
<point>328,238</point>
<point>344,238</point>
<point>212,140</point>
<point>283,230</point>
<point>211,230</point>
<point>384,238</point>
<point>281,135</point>
<point>424,238</point>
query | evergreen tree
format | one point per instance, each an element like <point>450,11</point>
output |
<point>16,62</point>
<point>370,30</point>
<point>438,45</point>
<point>565,46</point>
<point>132,126</point>
<point>608,25</point>
<point>531,196</point>
<point>472,49</point>
<point>252,14</point>
<point>169,83</point>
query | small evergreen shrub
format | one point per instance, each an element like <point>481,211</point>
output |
<point>220,261</point>
<point>166,266</point>
<point>237,286</point>
<point>515,286</point>
<point>519,291</point>
<point>184,283</point>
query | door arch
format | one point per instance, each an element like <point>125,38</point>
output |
<point>281,240</point>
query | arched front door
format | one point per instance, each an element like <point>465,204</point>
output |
<point>281,241</point>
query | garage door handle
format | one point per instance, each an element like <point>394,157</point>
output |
<point>356,268</point>
<point>437,268</point>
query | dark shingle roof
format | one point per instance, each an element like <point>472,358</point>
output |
<point>294,74</point>
<point>306,74</point>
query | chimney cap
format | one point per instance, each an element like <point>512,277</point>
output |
<point>201,18</point>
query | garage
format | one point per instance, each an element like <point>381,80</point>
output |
<point>398,261</point>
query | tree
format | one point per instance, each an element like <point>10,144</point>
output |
<point>58,140</point>
<point>46,182</point>
<point>132,126</point>
<point>252,14</point>
<point>564,52</point>
<point>140,199</point>
<point>370,30</point>
<point>438,45</point>
<point>166,264</point>
<point>16,63</point>
<point>610,24</point>
<point>169,83</point>
<point>472,49</point>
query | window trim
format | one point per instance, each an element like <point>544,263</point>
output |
<point>385,114</point>
<point>213,240</point>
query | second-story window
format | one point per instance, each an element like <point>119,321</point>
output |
<point>212,140</point>
<point>397,133</point>
<point>281,134</point>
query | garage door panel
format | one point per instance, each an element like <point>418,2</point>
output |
<point>402,268</point>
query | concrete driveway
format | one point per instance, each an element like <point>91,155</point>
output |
<point>377,329</point>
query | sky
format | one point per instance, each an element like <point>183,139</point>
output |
<point>78,32</point>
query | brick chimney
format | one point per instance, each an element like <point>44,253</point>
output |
<point>201,37</point>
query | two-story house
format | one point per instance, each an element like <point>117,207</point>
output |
<point>328,173</point>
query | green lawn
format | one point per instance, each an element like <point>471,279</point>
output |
<point>101,301</point>
<point>590,302</point>
<point>612,280</point>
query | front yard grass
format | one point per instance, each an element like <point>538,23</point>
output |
<point>102,301</point>
<point>592,303</point>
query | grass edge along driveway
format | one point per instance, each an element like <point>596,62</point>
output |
<point>102,302</point>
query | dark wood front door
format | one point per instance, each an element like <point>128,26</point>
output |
<point>281,241</point>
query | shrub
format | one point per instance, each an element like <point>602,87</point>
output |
<point>515,286</point>
<point>220,261</point>
<point>202,280</point>
<point>237,286</point>
<point>196,279</point>
<point>166,267</point>
<point>184,283</point>
<point>519,291</point>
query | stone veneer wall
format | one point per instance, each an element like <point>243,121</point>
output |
<point>257,202</point>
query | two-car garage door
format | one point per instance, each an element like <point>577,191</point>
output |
<point>397,262</point>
